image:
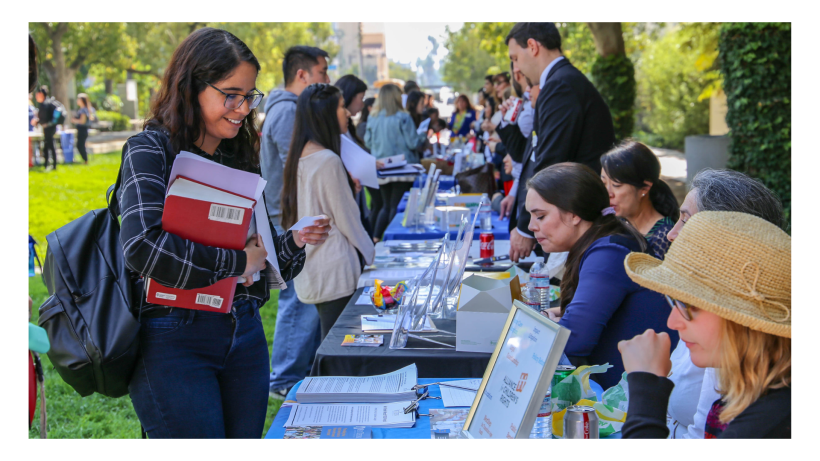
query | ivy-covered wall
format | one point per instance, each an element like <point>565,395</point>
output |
<point>756,66</point>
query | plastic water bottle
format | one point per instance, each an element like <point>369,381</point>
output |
<point>485,214</point>
<point>542,429</point>
<point>541,282</point>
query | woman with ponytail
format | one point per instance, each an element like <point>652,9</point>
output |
<point>569,211</point>
<point>631,174</point>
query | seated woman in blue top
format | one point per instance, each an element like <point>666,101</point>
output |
<point>463,117</point>
<point>600,305</point>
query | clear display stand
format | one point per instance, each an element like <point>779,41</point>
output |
<point>412,311</point>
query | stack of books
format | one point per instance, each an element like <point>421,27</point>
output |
<point>217,206</point>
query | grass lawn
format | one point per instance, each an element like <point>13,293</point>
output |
<point>56,198</point>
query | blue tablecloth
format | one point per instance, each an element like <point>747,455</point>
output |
<point>444,182</point>
<point>421,430</point>
<point>395,231</point>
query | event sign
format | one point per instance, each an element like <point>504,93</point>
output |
<point>517,377</point>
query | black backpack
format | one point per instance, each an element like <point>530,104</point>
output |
<point>58,117</point>
<point>93,333</point>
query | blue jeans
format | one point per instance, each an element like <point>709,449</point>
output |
<point>202,374</point>
<point>295,340</point>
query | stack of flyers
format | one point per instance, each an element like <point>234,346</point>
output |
<point>363,340</point>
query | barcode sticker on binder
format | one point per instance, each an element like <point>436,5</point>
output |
<point>226,214</point>
<point>166,296</point>
<point>209,300</point>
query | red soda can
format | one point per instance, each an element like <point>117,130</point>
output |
<point>487,245</point>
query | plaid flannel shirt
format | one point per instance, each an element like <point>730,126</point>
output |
<point>171,260</point>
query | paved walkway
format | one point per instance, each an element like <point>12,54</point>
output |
<point>673,170</point>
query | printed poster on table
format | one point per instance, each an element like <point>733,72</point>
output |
<point>513,379</point>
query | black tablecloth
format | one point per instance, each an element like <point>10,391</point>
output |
<point>334,360</point>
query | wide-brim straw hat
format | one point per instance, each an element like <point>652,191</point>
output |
<point>735,265</point>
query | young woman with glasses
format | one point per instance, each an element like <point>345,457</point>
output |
<point>696,388</point>
<point>201,374</point>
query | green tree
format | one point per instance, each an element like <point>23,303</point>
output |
<point>67,46</point>
<point>670,83</point>
<point>614,75</point>
<point>400,71</point>
<point>467,61</point>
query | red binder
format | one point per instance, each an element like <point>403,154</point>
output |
<point>209,216</point>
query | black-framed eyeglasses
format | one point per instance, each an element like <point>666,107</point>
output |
<point>235,101</point>
<point>681,306</point>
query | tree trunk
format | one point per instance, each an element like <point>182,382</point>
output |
<point>608,37</point>
<point>109,86</point>
<point>58,73</point>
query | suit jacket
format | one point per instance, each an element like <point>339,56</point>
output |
<point>572,123</point>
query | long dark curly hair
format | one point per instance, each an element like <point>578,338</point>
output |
<point>207,55</point>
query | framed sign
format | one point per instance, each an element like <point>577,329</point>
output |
<point>517,377</point>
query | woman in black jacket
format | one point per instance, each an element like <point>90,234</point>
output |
<point>201,374</point>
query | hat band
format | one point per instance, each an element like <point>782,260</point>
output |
<point>751,294</point>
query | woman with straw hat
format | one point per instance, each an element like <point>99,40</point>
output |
<point>728,280</point>
<point>696,388</point>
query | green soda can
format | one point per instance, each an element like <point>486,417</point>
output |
<point>561,372</point>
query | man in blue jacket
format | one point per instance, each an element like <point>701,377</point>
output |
<point>297,334</point>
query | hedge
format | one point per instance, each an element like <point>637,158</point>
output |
<point>756,66</point>
<point>614,77</point>
<point>121,122</point>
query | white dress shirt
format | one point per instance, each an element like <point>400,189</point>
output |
<point>692,397</point>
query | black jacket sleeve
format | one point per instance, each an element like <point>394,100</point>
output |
<point>648,400</point>
<point>514,141</point>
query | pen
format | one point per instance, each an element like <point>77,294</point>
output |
<point>493,259</point>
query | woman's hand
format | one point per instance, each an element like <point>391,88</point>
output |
<point>554,313</point>
<point>379,165</point>
<point>356,183</point>
<point>508,164</point>
<point>255,249</point>
<point>648,352</point>
<point>315,234</point>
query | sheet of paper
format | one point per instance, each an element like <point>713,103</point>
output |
<point>424,126</point>
<point>205,171</point>
<point>305,222</point>
<point>455,397</point>
<point>360,164</point>
<point>401,380</point>
<point>364,298</point>
<point>336,414</point>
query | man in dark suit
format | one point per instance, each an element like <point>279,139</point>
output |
<point>572,122</point>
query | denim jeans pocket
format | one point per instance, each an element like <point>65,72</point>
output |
<point>161,325</point>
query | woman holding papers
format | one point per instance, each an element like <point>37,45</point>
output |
<point>316,183</point>
<point>390,132</point>
<point>353,89</point>
<point>201,374</point>
<point>600,305</point>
